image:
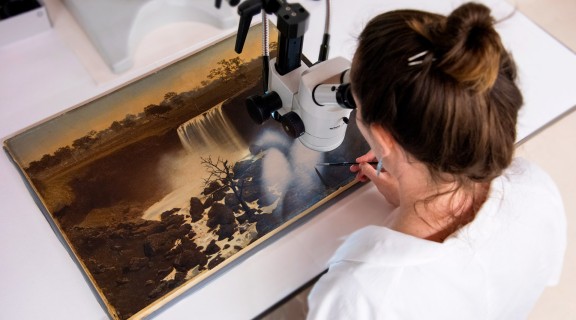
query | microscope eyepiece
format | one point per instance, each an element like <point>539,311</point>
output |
<point>344,96</point>
<point>340,94</point>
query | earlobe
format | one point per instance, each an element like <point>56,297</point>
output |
<point>383,138</point>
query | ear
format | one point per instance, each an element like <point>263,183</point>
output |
<point>383,139</point>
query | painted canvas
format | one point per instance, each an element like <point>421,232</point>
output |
<point>157,185</point>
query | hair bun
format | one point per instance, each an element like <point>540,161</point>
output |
<point>470,47</point>
<point>470,16</point>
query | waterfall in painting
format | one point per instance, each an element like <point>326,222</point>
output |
<point>212,131</point>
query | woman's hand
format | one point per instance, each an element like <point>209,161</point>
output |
<point>385,182</point>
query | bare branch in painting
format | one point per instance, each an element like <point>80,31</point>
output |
<point>221,171</point>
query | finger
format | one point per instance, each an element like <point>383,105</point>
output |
<point>354,168</point>
<point>369,156</point>
<point>368,170</point>
<point>365,158</point>
<point>361,177</point>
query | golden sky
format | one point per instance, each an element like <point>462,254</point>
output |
<point>179,77</point>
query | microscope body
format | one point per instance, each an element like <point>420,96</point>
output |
<point>312,103</point>
<point>324,119</point>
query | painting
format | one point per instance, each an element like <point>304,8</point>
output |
<point>157,185</point>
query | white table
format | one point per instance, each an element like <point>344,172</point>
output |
<point>58,69</point>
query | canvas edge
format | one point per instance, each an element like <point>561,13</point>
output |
<point>62,237</point>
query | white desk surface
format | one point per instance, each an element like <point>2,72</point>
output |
<point>58,69</point>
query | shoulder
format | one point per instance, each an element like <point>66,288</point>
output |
<point>526,176</point>
<point>523,223</point>
<point>365,290</point>
<point>379,273</point>
<point>518,237</point>
<point>341,294</point>
<point>528,194</point>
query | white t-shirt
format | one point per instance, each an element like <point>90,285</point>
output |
<point>495,267</point>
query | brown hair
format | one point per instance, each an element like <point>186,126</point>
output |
<point>455,111</point>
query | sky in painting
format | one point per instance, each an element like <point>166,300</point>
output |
<point>179,77</point>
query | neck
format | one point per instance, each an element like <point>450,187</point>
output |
<point>433,210</point>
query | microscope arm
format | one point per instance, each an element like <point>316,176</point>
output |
<point>292,23</point>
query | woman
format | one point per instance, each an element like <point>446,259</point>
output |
<point>475,234</point>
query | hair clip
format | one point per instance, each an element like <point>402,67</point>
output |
<point>411,61</point>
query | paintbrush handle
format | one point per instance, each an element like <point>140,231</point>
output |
<point>342,164</point>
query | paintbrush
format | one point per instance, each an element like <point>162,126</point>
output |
<point>343,164</point>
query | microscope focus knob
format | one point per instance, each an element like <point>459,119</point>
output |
<point>292,124</point>
<point>260,107</point>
